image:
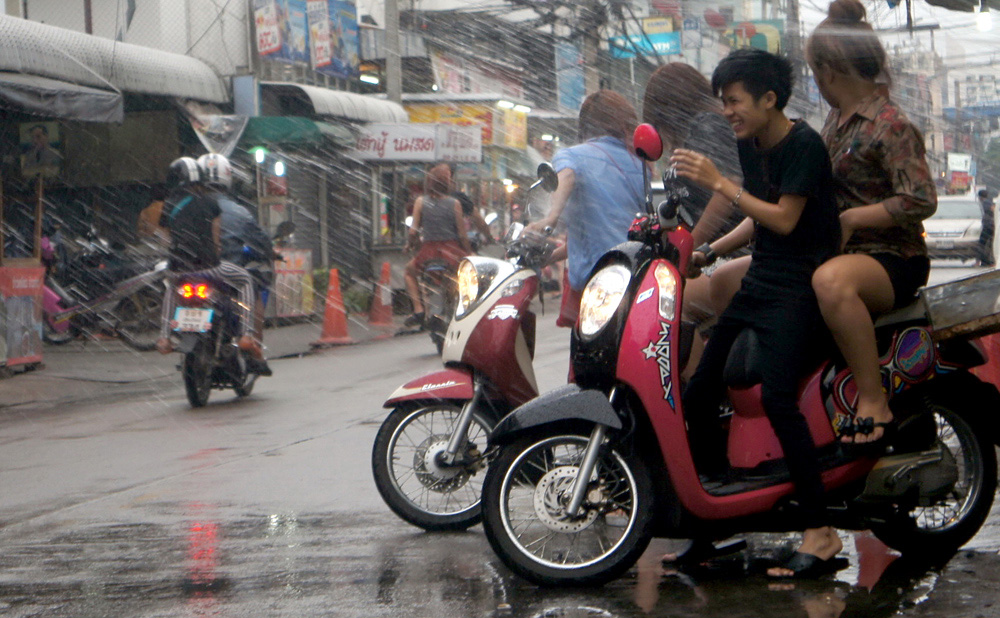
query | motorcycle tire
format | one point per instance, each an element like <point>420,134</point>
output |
<point>244,389</point>
<point>197,371</point>
<point>407,474</point>
<point>524,498</point>
<point>941,529</point>
<point>139,320</point>
<point>54,337</point>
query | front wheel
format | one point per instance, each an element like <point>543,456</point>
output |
<point>943,527</point>
<point>412,477</point>
<point>197,371</point>
<point>525,495</point>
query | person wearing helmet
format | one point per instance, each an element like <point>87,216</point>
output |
<point>193,222</point>
<point>242,239</point>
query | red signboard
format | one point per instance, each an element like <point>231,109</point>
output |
<point>21,314</point>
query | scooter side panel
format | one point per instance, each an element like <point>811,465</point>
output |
<point>452,383</point>
<point>752,440</point>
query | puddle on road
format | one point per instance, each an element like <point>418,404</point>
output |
<point>346,565</point>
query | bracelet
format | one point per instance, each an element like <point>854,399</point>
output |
<point>706,250</point>
<point>736,200</point>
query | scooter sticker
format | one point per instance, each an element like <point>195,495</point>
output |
<point>660,350</point>
<point>432,387</point>
<point>644,296</point>
<point>502,312</point>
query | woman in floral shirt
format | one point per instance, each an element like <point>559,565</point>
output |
<point>884,191</point>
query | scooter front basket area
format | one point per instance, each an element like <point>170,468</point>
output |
<point>967,307</point>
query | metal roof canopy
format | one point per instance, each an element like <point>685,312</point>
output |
<point>340,104</point>
<point>57,53</point>
<point>59,99</point>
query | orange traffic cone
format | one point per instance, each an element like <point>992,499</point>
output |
<point>334,316</point>
<point>380,314</point>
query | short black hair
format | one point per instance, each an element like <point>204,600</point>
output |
<point>761,72</point>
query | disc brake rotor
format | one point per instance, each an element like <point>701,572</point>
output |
<point>430,472</point>
<point>552,496</point>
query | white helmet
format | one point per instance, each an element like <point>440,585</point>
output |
<point>183,172</point>
<point>216,170</point>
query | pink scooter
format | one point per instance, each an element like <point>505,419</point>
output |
<point>427,460</point>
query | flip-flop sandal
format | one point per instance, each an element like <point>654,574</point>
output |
<point>809,566</point>
<point>866,427</point>
<point>704,551</point>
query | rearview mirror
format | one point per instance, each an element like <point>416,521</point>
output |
<point>647,143</point>
<point>548,177</point>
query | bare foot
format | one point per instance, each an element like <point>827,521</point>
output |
<point>877,410</point>
<point>820,542</point>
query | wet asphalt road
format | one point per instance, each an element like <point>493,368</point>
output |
<point>265,507</point>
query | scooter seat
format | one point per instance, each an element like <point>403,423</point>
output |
<point>914,312</point>
<point>744,361</point>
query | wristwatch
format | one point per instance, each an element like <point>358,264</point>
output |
<point>710,255</point>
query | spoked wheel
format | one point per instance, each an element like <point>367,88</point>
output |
<point>525,499</point>
<point>414,480</point>
<point>197,371</point>
<point>943,527</point>
<point>139,319</point>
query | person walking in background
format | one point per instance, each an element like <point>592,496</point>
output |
<point>600,186</point>
<point>989,228</point>
<point>438,229</point>
<point>883,189</point>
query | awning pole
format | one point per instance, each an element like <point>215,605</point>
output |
<point>1,221</point>
<point>39,209</point>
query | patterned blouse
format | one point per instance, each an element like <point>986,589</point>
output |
<point>878,156</point>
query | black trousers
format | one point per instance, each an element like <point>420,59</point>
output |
<point>790,328</point>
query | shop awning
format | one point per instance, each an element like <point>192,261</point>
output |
<point>290,130</point>
<point>36,49</point>
<point>337,103</point>
<point>59,99</point>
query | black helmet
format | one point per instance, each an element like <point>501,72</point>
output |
<point>183,172</point>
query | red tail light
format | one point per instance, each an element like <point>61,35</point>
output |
<point>195,290</point>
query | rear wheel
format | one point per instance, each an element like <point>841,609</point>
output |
<point>414,481</point>
<point>945,526</point>
<point>53,336</point>
<point>525,498</point>
<point>197,372</point>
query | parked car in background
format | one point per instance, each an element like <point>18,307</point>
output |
<point>953,231</point>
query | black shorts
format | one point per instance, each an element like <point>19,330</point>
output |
<point>906,274</point>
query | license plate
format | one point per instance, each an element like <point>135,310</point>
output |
<point>946,244</point>
<point>188,320</point>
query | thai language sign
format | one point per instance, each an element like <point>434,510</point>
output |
<point>415,142</point>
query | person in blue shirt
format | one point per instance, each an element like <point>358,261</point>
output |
<point>600,187</point>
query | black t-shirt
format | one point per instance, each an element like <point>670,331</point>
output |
<point>189,218</point>
<point>798,165</point>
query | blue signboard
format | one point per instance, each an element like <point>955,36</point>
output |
<point>294,30</point>
<point>569,76</point>
<point>660,43</point>
<point>345,46</point>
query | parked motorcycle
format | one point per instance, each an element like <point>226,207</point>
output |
<point>588,473</point>
<point>206,326</point>
<point>428,455</point>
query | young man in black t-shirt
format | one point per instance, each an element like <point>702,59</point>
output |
<point>793,222</point>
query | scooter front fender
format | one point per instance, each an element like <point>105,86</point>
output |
<point>566,403</point>
<point>451,383</point>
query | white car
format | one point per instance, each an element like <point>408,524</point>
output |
<point>953,231</point>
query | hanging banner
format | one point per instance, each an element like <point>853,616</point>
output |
<point>345,42</point>
<point>294,27</point>
<point>21,315</point>
<point>319,32</point>
<point>419,142</point>
<point>569,77</point>
<point>661,43</point>
<point>265,16</point>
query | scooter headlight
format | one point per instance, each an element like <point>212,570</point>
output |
<point>468,286</point>
<point>601,298</point>
<point>666,281</point>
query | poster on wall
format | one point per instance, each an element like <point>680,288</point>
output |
<point>40,149</point>
<point>344,40</point>
<point>319,33</point>
<point>294,27</point>
<point>293,284</point>
<point>265,17</point>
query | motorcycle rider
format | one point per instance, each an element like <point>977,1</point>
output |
<point>787,195</point>
<point>242,239</point>
<point>194,225</point>
<point>439,220</point>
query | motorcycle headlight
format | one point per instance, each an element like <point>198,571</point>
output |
<point>468,286</point>
<point>667,282</point>
<point>601,298</point>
